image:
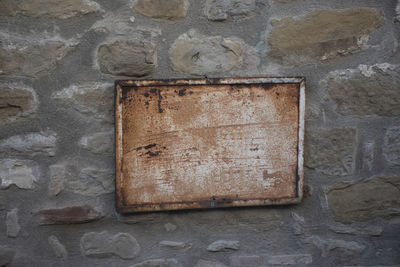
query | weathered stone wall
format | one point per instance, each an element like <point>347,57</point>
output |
<point>58,61</point>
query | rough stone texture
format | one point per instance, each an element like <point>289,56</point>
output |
<point>158,263</point>
<point>366,199</point>
<point>368,90</point>
<point>368,155</point>
<point>17,102</point>
<point>59,249</point>
<point>331,152</point>
<point>372,230</point>
<point>118,26</point>
<point>43,143</point>
<point>175,244</point>
<point>6,255</point>
<point>197,54</point>
<point>12,224</point>
<point>93,182</point>
<point>298,225</point>
<point>36,60</point>
<point>170,227</point>
<point>206,263</point>
<point>162,9</point>
<point>22,173</point>
<point>103,244</point>
<point>330,245</point>
<point>223,245</point>
<point>51,80</point>
<point>61,9</point>
<point>58,173</point>
<point>219,10</point>
<point>295,259</point>
<point>397,15</point>
<point>127,58</point>
<point>69,215</point>
<point>322,34</point>
<point>391,147</point>
<point>282,1</point>
<point>95,100</point>
<point>246,260</point>
<point>99,143</point>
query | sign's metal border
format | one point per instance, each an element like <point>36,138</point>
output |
<point>121,205</point>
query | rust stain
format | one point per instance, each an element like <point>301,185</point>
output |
<point>207,143</point>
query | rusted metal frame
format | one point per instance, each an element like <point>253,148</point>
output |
<point>300,144</point>
<point>209,81</point>
<point>205,204</point>
<point>122,207</point>
<point>119,196</point>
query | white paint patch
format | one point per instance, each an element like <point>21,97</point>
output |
<point>367,71</point>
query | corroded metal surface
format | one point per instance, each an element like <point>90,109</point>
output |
<point>183,144</point>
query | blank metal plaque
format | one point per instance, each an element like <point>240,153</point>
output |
<point>208,143</point>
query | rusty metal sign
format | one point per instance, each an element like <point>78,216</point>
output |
<point>208,143</point>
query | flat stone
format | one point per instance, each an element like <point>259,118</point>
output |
<point>291,259</point>
<point>134,58</point>
<point>58,174</point>
<point>331,152</point>
<point>206,263</point>
<point>140,218</point>
<point>59,249</point>
<point>69,215</point>
<point>93,182</point>
<point>174,244</point>
<point>367,90</point>
<point>343,229</point>
<point>12,224</point>
<point>117,26</point>
<point>105,245</point>
<point>6,255</point>
<point>219,10</point>
<point>344,247</point>
<point>246,260</point>
<point>22,173</point>
<point>372,230</point>
<point>197,54</point>
<point>43,143</point>
<point>162,9</point>
<point>223,245</point>
<point>302,40</point>
<point>397,11</point>
<point>368,155</point>
<point>32,60</point>
<point>391,146</point>
<point>158,263</point>
<point>364,200</point>
<point>94,100</point>
<point>99,143</point>
<point>17,102</point>
<point>61,9</point>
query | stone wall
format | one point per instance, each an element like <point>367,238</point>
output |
<point>58,62</point>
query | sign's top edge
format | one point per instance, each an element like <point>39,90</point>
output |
<point>211,81</point>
